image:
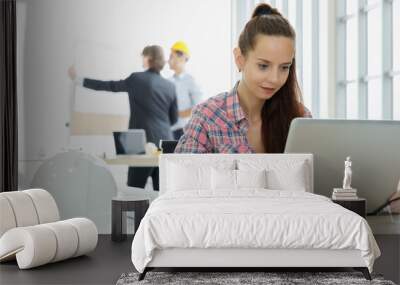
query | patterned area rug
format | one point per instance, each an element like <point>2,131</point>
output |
<point>243,278</point>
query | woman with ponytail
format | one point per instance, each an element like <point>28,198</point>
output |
<point>254,117</point>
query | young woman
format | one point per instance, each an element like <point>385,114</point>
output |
<point>255,116</point>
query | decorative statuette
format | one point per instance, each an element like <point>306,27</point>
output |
<point>346,192</point>
<point>347,174</point>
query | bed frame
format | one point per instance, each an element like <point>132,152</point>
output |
<point>246,259</point>
<point>240,259</point>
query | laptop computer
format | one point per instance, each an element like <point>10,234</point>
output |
<point>132,141</point>
<point>374,148</point>
<point>168,146</point>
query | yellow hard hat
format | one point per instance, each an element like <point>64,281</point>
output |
<point>181,46</point>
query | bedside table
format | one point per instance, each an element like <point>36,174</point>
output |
<point>358,206</point>
<point>120,205</point>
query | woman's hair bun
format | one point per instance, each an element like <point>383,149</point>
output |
<point>264,9</point>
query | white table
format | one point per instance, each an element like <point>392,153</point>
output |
<point>136,160</point>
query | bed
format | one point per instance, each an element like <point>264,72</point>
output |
<point>245,211</point>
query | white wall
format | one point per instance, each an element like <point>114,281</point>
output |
<point>104,39</point>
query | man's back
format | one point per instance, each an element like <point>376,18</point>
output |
<point>153,104</point>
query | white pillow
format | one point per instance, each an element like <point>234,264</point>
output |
<point>291,176</point>
<point>223,179</point>
<point>183,177</point>
<point>281,174</point>
<point>251,178</point>
<point>188,175</point>
<point>227,179</point>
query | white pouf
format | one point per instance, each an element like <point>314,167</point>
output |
<point>31,233</point>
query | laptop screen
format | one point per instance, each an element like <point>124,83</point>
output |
<point>130,142</point>
<point>372,145</point>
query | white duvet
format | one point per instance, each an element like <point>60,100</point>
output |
<point>253,218</point>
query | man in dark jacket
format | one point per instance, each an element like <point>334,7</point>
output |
<point>153,106</point>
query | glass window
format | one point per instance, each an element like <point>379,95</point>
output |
<point>278,5</point>
<point>352,101</point>
<point>352,48</point>
<point>369,2</point>
<point>396,97</point>
<point>292,13</point>
<point>396,34</point>
<point>351,7</point>
<point>375,99</point>
<point>375,41</point>
<point>323,59</point>
<point>307,52</point>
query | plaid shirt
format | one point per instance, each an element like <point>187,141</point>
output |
<point>218,125</point>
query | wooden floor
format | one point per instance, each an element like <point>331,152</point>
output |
<point>102,266</point>
<point>111,259</point>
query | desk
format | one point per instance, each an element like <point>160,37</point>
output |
<point>386,230</point>
<point>385,225</point>
<point>136,160</point>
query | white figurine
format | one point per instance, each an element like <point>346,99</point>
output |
<point>347,174</point>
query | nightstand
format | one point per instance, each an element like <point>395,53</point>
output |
<point>358,205</point>
<point>120,205</point>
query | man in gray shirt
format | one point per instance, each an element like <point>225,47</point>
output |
<point>153,106</point>
<point>187,91</point>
